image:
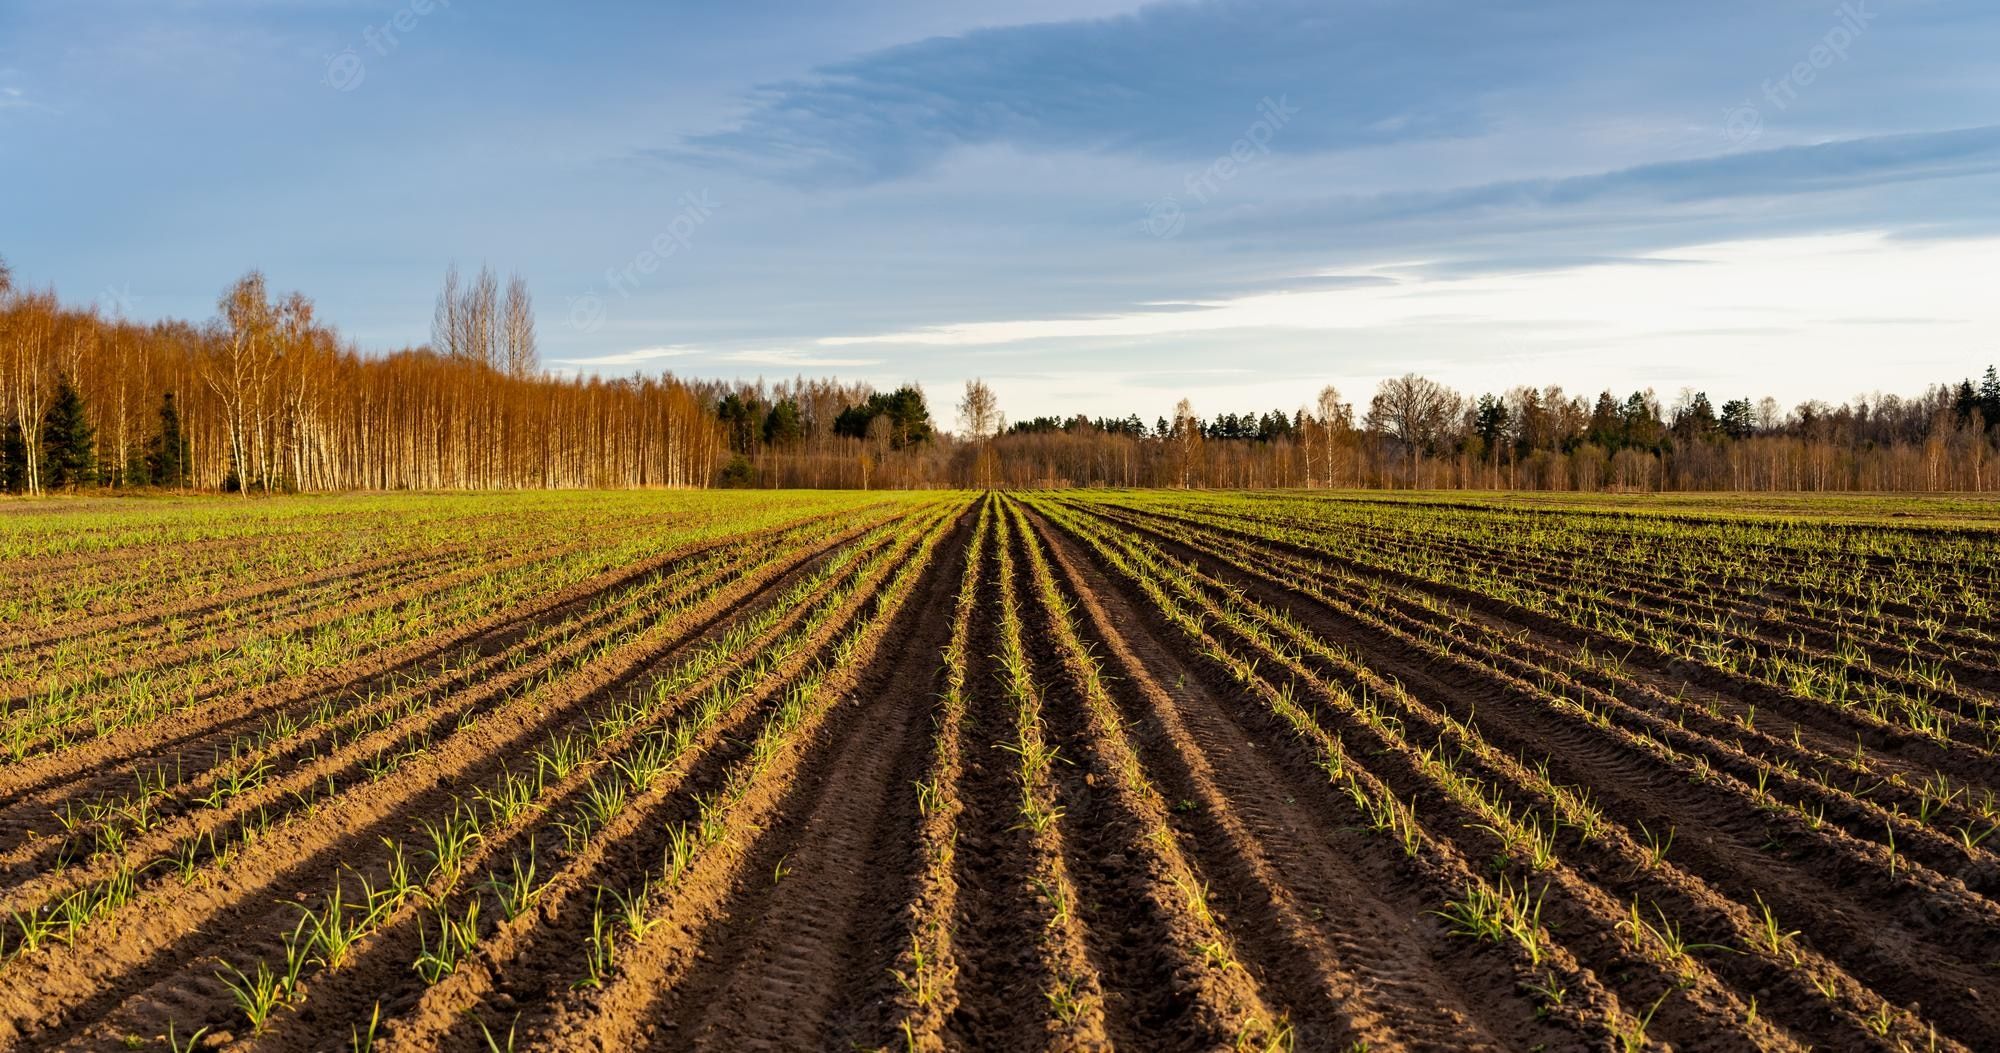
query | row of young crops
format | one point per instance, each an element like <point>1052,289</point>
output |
<point>1141,770</point>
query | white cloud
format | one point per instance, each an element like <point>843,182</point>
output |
<point>1795,283</point>
<point>788,358</point>
<point>1824,316</point>
<point>629,358</point>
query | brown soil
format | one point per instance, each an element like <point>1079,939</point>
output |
<point>856,864</point>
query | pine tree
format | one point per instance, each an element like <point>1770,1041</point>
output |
<point>784,426</point>
<point>13,459</point>
<point>1989,396</point>
<point>1739,419</point>
<point>167,452</point>
<point>1607,426</point>
<point>1490,423</point>
<point>68,445</point>
<point>1964,401</point>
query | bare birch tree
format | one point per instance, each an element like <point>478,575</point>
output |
<point>238,374</point>
<point>518,330</point>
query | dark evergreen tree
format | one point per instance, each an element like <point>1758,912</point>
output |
<point>1989,396</point>
<point>741,419</point>
<point>1641,421</point>
<point>1965,401</point>
<point>68,447</point>
<point>784,425</point>
<point>1489,421</point>
<point>1697,421</point>
<point>167,451</point>
<point>909,419</point>
<point>1607,426</point>
<point>13,459</point>
<point>1739,418</point>
<point>737,474</point>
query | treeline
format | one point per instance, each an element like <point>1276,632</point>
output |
<point>1414,433</point>
<point>268,398</point>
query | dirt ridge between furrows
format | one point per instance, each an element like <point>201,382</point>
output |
<point>1316,927</point>
<point>1908,973</point>
<point>240,708</point>
<point>623,1012</point>
<point>1037,770</point>
<point>1889,741</point>
<point>298,858</point>
<point>469,697</point>
<point>380,972</point>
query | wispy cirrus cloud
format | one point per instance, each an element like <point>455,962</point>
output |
<point>1785,172</point>
<point>1925,185</point>
<point>1170,81</point>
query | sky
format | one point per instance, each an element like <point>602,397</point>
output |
<point>1097,206</point>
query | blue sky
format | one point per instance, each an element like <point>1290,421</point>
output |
<point>1098,206</point>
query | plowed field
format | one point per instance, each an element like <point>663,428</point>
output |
<point>1146,771</point>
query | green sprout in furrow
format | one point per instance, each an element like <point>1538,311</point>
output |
<point>70,710</point>
<point>927,970</point>
<point>627,754</point>
<point>189,849</point>
<point>607,808</point>
<point>724,829</point>
<point>1532,844</point>
<point>1075,999</point>
<point>1538,957</point>
<point>1234,997</point>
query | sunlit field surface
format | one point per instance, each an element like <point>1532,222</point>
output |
<point>1076,769</point>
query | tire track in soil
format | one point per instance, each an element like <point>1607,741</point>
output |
<point>799,962</point>
<point>1885,939</point>
<point>420,1016</point>
<point>1001,982</point>
<point>1312,917</point>
<point>1149,1000</point>
<point>621,1013</point>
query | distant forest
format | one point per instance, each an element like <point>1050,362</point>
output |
<point>266,397</point>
